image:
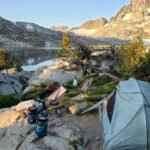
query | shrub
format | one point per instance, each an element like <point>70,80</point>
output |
<point>144,70</point>
<point>131,56</point>
<point>33,95</point>
<point>93,98</point>
<point>104,89</point>
<point>8,100</point>
<point>65,45</point>
<point>69,85</point>
<point>2,59</point>
<point>66,50</point>
<point>101,80</point>
<point>7,61</point>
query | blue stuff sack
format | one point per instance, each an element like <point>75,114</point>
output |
<point>39,108</point>
<point>32,115</point>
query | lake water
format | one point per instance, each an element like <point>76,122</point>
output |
<point>33,58</point>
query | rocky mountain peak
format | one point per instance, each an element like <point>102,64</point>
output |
<point>136,10</point>
<point>94,24</point>
<point>140,5</point>
<point>59,28</point>
<point>130,20</point>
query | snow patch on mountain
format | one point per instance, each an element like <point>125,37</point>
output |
<point>6,41</point>
<point>29,27</point>
<point>127,17</point>
<point>146,41</point>
<point>85,32</point>
<point>148,10</point>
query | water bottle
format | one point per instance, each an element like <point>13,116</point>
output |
<point>41,125</point>
<point>32,115</point>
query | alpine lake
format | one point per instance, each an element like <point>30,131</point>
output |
<point>32,58</point>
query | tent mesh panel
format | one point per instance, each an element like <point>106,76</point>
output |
<point>110,106</point>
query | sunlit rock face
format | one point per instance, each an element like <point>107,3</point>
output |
<point>89,28</point>
<point>59,28</point>
<point>136,10</point>
<point>140,5</point>
<point>121,14</point>
<point>94,24</point>
<point>130,20</point>
<point>9,117</point>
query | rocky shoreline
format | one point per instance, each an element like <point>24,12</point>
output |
<point>13,82</point>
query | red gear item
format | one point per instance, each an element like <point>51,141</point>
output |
<point>50,86</point>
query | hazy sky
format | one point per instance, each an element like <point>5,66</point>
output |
<point>59,12</point>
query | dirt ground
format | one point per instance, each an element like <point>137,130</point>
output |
<point>89,125</point>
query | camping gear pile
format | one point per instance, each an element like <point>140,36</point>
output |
<point>36,113</point>
<point>125,115</point>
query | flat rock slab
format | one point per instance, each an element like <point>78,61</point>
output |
<point>10,142</point>
<point>9,117</point>
<point>66,133</point>
<point>74,109</point>
<point>45,75</point>
<point>57,143</point>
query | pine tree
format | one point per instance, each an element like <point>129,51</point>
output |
<point>66,46</point>
<point>131,56</point>
<point>2,59</point>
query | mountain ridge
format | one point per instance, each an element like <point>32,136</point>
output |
<point>130,20</point>
<point>27,34</point>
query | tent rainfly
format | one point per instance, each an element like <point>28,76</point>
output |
<point>125,116</point>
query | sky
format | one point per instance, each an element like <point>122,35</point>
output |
<point>70,13</point>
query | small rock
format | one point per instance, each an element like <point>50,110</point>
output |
<point>10,84</point>
<point>57,143</point>
<point>25,105</point>
<point>4,109</point>
<point>2,132</point>
<point>21,129</point>
<point>79,147</point>
<point>35,83</point>
<point>29,139</point>
<point>78,107</point>
<point>78,97</point>
<point>66,133</point>
<point>85,141</point>
<point>31,146</point>
<point>98,138</point>
<point>77,129</point>
<point>58,124</point>
<point>29,89</point>
<point>10,71</point>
